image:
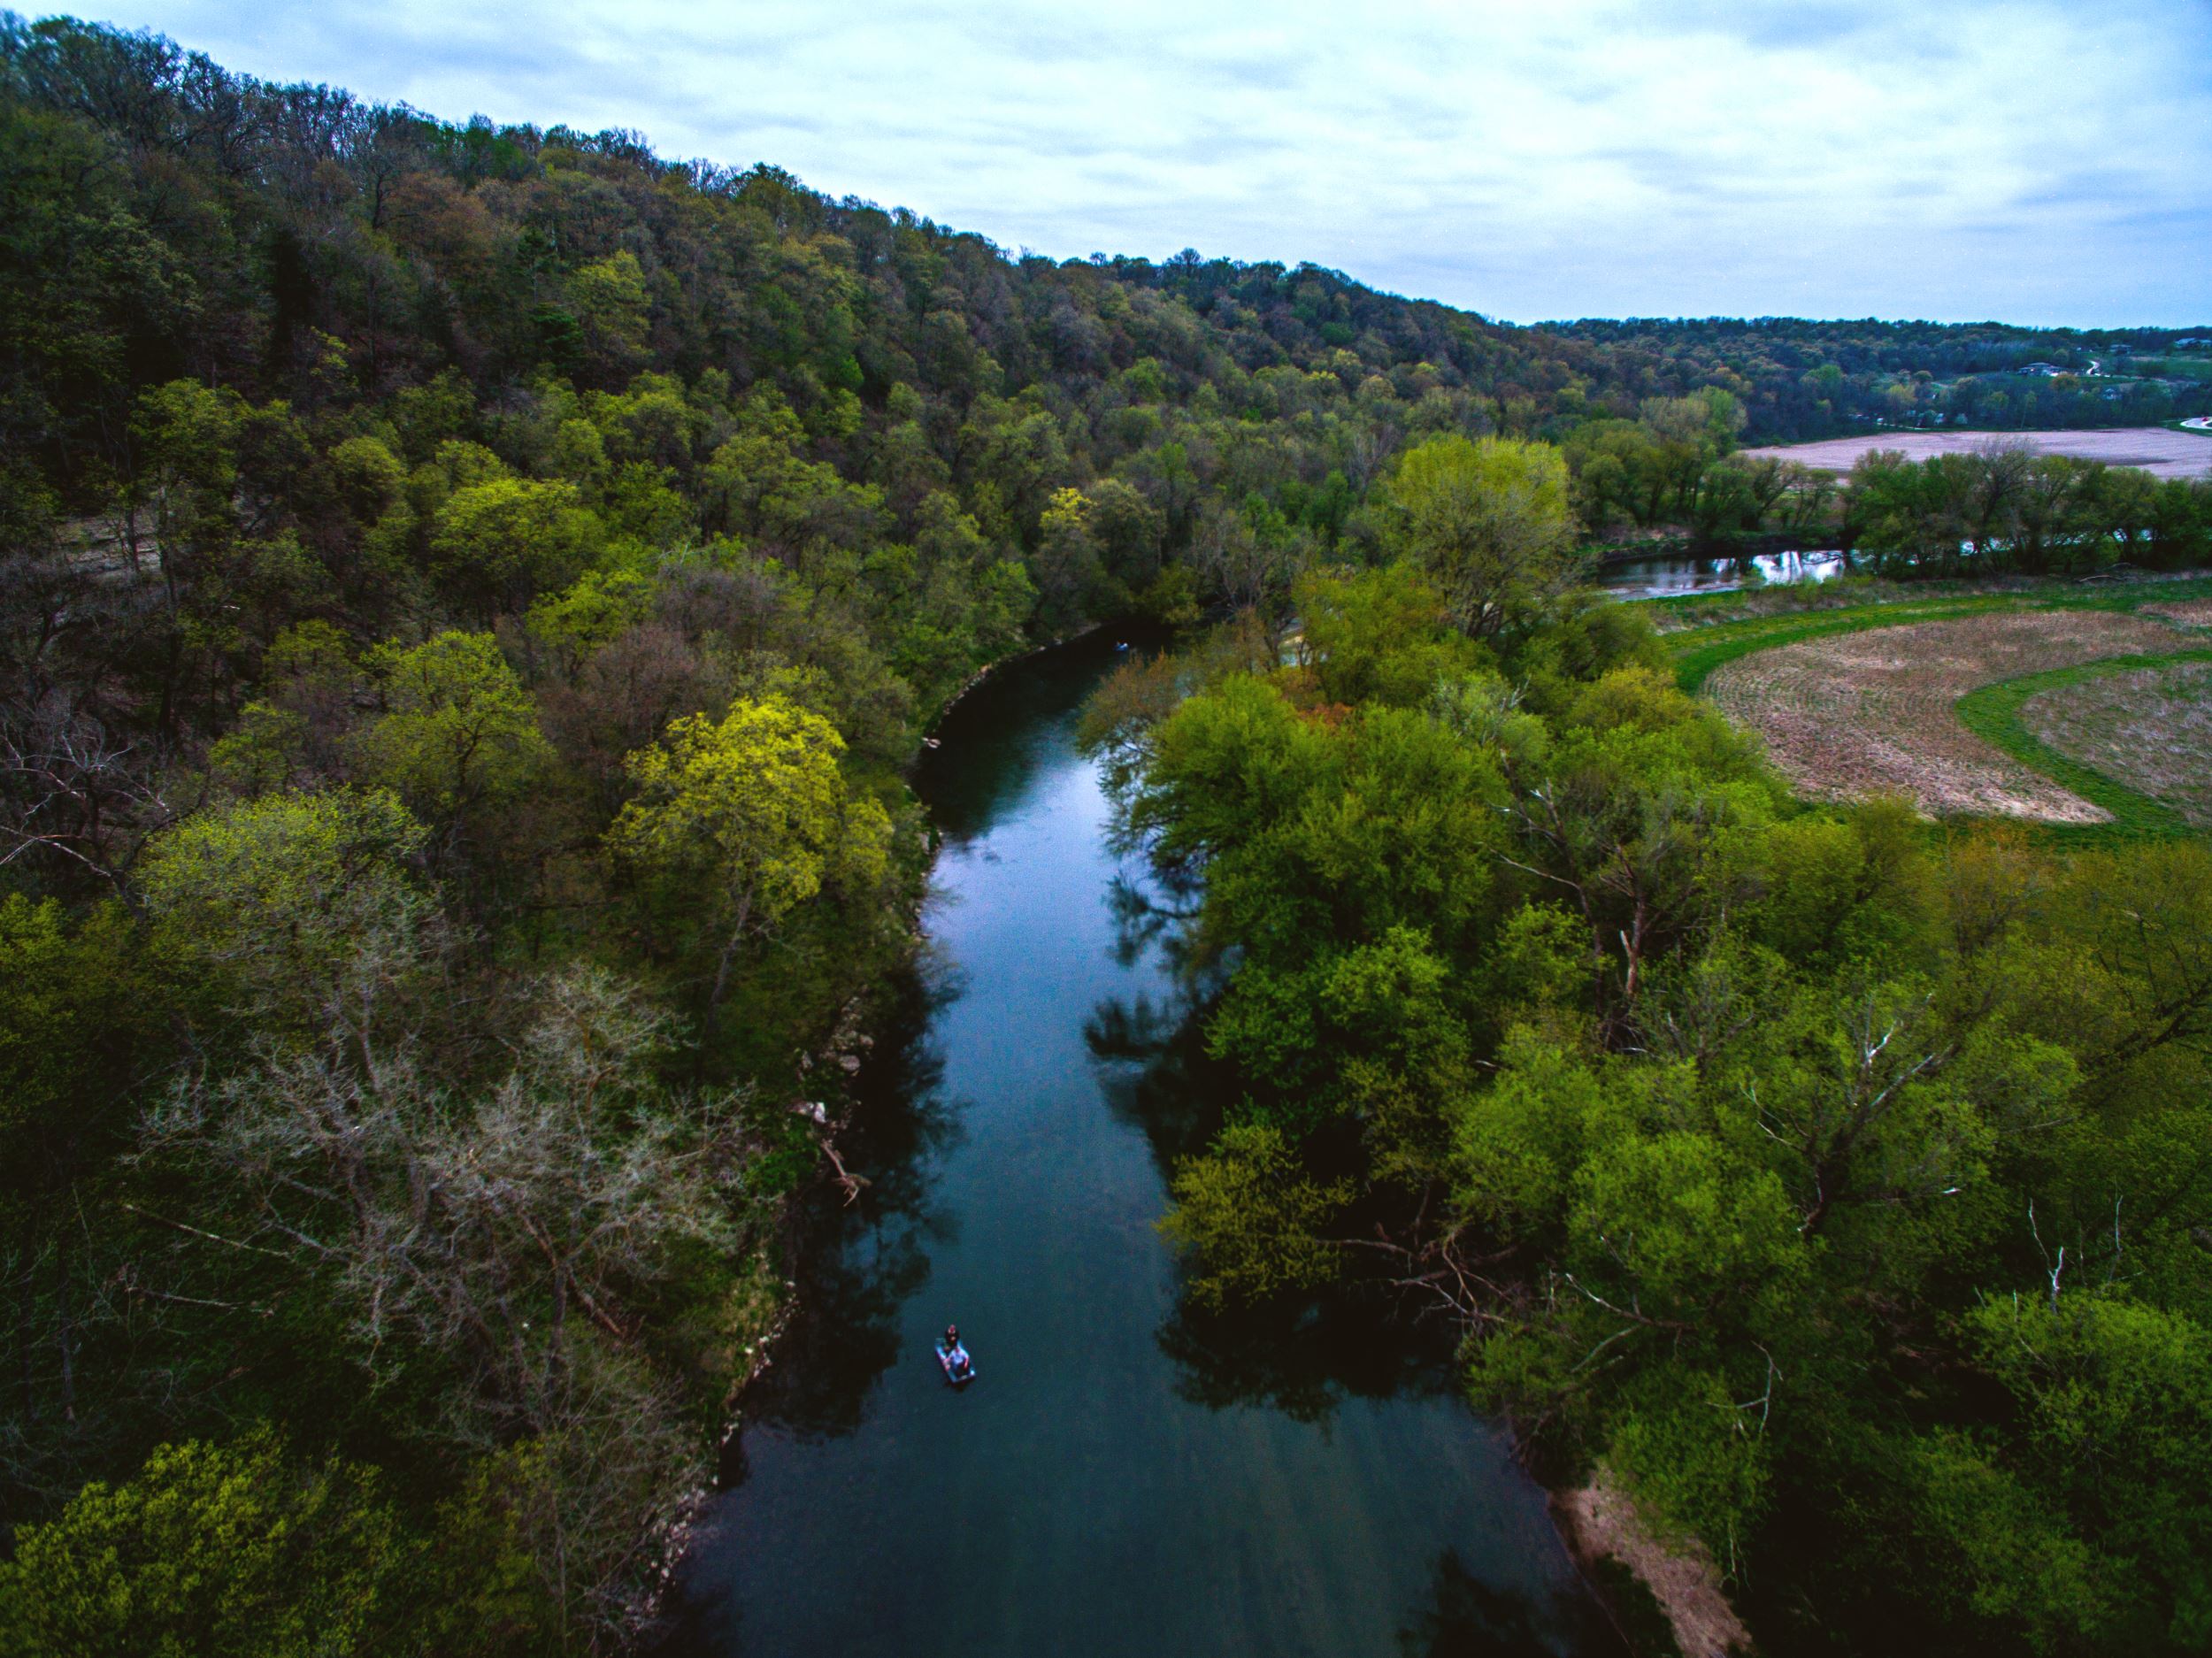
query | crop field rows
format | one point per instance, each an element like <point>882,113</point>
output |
<point>2149,728</point>
<point>2190,612</point>
<point>2082,713</point>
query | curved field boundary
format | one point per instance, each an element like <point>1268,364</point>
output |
<point>1873,710</point>
<point>2189,612</point>
<point>1992,714</point>
<point>1705,651</point>
<point>1700,649</point>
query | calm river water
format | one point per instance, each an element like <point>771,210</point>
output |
<point>1122,1479</point>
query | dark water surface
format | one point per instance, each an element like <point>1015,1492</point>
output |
<point>1121,1479</point>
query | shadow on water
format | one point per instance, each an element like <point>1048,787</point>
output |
<point>860,1262</point>
<point>1018,717</point>
<point>1305,1357</point>
<point>1301,1356</point>
<point>1471,1619</point>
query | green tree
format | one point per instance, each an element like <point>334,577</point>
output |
<point>291,898</point>
<point>232,1549</point>
<point>749,815</point>
<point>459,734</point>
<point>1248,1216</point>
<point>497,543</point>
<point>1489,522</point>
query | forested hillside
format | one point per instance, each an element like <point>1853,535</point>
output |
<point>466,598</point>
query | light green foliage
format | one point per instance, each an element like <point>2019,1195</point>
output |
<point>1490,524</point>
<point>611,302</point>
<point>747,817</point>
<point>370,475</point>
<point>497,543</point>
<point>265,750</point>
<point>599,607</point>
<point>481,1584</point>
<point>2008,1555</point>
<point>1695,1457</point>
<point>1519,1142</point>
<point>1248,1216</point>
<point>1860,886</point>
<point>1685,1229</point>
<point>230,1549</point>
<point>1380,637</point>
<point>1487,712</point>
<point>1585,640</point>
<point>1068,571</point>
<point>459,734</point>
<point>760,486</point>
<point>291,896</point>
<point>755,799</point>
<point>2110,1473</point>
<point>1650,814</point>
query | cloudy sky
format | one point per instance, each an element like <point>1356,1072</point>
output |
<point>1944,159</point>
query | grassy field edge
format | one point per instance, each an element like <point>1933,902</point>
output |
<point>1990,711</point>
<point>1993,713</point>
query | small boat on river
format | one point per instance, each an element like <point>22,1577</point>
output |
<point>952,1359</point>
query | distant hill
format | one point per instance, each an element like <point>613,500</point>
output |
<point>168,218</point>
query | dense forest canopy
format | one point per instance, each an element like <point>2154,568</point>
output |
<point>1834,1182</point>
<point>466,596</point>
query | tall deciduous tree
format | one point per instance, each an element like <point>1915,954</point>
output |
<point>1489,521</point>
<point>752,815</point>
<point>459,733</point>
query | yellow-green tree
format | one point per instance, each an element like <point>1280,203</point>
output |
<point>459,733</point>
<point>211,1548</point>
<point>287,901</point>
<point>752,816</point>
<point>1488,521</point>
<point>499,541</point>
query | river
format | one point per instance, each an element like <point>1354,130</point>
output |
<point>1122,1478</point>
<point>1666,575</point>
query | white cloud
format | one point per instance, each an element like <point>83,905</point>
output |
<point>2036,162</point>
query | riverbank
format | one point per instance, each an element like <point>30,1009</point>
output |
<point>1016,1119</point>
<point>1600,1524</point>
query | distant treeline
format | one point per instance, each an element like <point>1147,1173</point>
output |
<point>1996,508</point>
<point>1802,380</point>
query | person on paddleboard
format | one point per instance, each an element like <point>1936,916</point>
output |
<point>959,1366</point>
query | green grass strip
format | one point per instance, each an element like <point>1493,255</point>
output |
<point>1993,713</point>
<point>1701,651</point>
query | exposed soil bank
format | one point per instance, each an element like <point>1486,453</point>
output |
<point>1601,1523</point>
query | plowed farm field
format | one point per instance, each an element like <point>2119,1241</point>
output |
<point>2159,450</point>
<point>2195,612</point>
<point>2150,728</point>
<point>1872,712</point>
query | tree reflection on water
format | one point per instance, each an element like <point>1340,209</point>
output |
<point>1304,1354</point>
<point>1469,1618</point>
<point>861,1262</point>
